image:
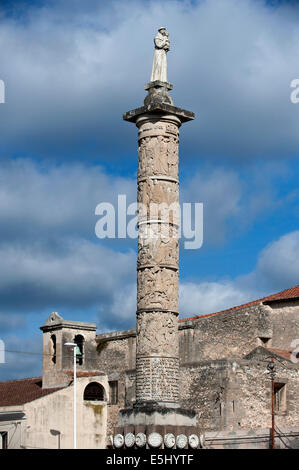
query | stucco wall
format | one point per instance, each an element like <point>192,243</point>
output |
<point>15,433</point>
<point>55,412</point>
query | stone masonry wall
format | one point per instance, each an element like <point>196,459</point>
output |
<point>219,375</point>
<point>230,395</point>
<point>116,357</point>
<point>285,321</point>
<point>230,334</point>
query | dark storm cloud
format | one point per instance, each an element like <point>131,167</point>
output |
<point>11,322</point>
<point>19,365</point>
<point>50,255</point>
<point>71,72</point>
<point>85,275</point>
<point>40,203</point>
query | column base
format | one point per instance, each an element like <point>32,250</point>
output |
<point>152,426</point>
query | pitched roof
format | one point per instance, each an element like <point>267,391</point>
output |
<point>18,392</point>
<point>292,293</point>
<point>267,352</point>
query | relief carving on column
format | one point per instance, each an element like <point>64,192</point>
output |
<point>157,287</point>
<point>158,156</point>
<point>155,247</point>
<point>160,163</point>
<point>146,153</point>
<point>158,149</point>
<point>172,157</point>
<point>151,193</point>
<point>156,334</point>
<point>143,200</point>
<point>151,128</point>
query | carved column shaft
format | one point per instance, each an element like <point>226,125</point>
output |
<point>157,355</point>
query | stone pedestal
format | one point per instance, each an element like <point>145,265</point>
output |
<point>157,409</point>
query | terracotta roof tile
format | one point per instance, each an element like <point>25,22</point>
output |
<point>18,392</point>
<point>83,374</point>
<point>281,352</point>
<point>292,293</point>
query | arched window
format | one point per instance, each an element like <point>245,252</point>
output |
<point>94,392</point>
<point>79,340</point>
<point>53,339</point>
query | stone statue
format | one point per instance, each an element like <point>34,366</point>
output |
<point>162,45</point>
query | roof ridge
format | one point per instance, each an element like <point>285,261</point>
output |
<point>20,380</point>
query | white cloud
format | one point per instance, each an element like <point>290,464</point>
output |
<point>209,297</point>
<point>276,270</point>
<point>278,263</point>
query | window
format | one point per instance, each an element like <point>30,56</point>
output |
<point>280,403</point>
<point>94,392</point>
<point>79,340</point>
<point>113,389</point>
<point>53,339</point>
<point>3,440</point>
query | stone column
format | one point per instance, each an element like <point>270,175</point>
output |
<point>157,359</point>
<point>156,419</point>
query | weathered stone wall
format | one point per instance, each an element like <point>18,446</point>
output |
<point>117,356</point>
<point>223,372</point>
<point>285,321</point>
<point>58,361</point>
<point>231,334</point>
<point>53,376</point>
<point>202,387</point>
<point>117,351</point>
<point>237,394</point>
<point>235,333</point>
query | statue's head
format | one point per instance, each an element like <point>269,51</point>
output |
<point>162,30</point>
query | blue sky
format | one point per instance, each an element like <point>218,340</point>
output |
<point>71,69</point>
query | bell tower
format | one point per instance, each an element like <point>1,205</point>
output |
<point>57,358</point>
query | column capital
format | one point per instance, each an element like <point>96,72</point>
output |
<point>158,109</point>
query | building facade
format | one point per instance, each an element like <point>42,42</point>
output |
<point>44,405</point>
<point>224,373</point>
